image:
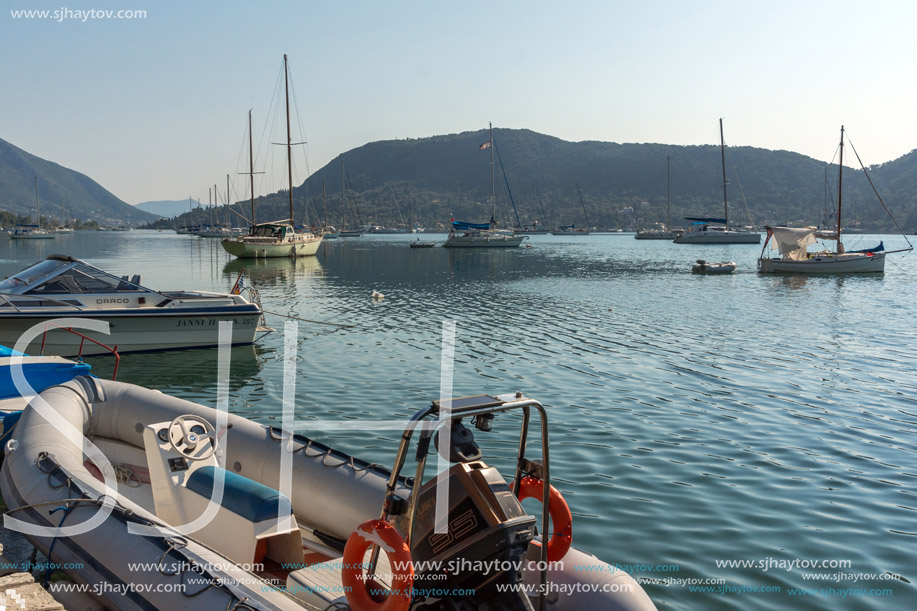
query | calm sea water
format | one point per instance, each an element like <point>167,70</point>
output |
<point>695,421</point>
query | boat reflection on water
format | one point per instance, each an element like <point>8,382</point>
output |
<point>186,371</point>
<point>272,271</point>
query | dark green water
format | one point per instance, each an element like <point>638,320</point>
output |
<point>697,422</point>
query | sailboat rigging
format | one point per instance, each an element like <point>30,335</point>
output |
<point>484,235</point>
<point>715,230</point>
<point>666,232</point>
<point>793,242</point>
<point>571,228</point>
<point>32,232</point>
<point>276,238</point>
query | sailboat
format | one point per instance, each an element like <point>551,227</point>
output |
<point>348,232</point>
<point>666,232</point>
<point>792,242</point>
<point>275,238</point>
<point>32,232</point>
<point>719,232</point>
<point>571,228</point>
<point>484,235</point>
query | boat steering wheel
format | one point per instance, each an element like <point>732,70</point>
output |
<point>193,437</point>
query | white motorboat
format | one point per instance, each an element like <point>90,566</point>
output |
<point>244,515</point>
<point>707,230</point>
<point>484,235</point>
<point>793,243</point>
<point>704,267</point>
<point>140,318</point>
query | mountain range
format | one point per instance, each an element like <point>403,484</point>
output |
<point>58,187</point>
<point>168,208</point>
<point>432,180</point>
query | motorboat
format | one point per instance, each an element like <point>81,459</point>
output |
<point>704,267</point>
<point>140,318</point>
<point>420,244</point>
<point>174,505</point>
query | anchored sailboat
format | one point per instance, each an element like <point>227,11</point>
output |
<point>792,242</point>
<point>484,235</point>
<point>715,230</point>
<point>276,238</point>
<point>32,232</point>
<point>666,232</point>
<point>571,228</point>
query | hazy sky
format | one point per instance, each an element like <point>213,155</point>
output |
<point>155,108</point>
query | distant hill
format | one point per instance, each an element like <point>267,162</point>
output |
<point>168,208</point>
<point>623,185</point>
<point>82,197</point>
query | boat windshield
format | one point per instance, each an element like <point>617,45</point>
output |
<point>85,279</point>
<point>42,269</point>
<point>268,231</point>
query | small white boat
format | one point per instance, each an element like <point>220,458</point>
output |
<point>793,243</point>
<point>281,521</point>
<point>723,267</point>
<point>141,318</point>
<point>30,232</point>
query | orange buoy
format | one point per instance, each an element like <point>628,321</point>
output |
<point>357,587</point>
<point>561,518</point>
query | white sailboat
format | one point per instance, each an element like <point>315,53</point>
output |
<point>484,235</point>
<point>793,242</point>
<point>32,232</point>
<point>715,230</point>
<point>665,233</point>
<point>276,238</point>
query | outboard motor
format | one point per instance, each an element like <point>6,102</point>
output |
<point>489,533</point>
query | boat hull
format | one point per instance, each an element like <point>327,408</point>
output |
<point>133,331</point>
<point>826,264</point>
<point>483,241</point>
<point>719,237</point>
<point>32,236</point>
<point>656,235</point>
<point>251,249</point>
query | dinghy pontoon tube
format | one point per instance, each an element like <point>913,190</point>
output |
<point>167,462</point>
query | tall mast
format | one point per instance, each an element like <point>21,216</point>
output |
<point>668,195</point>
<point>286,84</point>
<point>227,201</point>
<point>325,206</point>
<point>251,165</point>
<point>840,177</point>
<point>725,182</point>
<point>37,213</point>
<point>493,181</point>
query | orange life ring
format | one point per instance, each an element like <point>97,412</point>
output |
<point>561,518</point>
<point>357,587</point>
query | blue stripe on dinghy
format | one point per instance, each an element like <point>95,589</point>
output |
<point>250,499</point>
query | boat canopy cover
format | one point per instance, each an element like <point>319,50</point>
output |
<point>464,225</point>
<point>61,275</point>
<point>703,220</point>
<point>792,241</point>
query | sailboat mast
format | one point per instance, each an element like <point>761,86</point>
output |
<point>668,195</point>
<point>840,177</point>
<point>227,200</point>
<point>37,212</point>
<point>723,159</point>
<point>286,84</point>
<point>493,181</point>
<point>251,166</point>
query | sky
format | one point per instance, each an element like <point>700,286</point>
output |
<point>155,108</point>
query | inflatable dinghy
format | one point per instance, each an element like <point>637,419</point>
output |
<point>165,504</point>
